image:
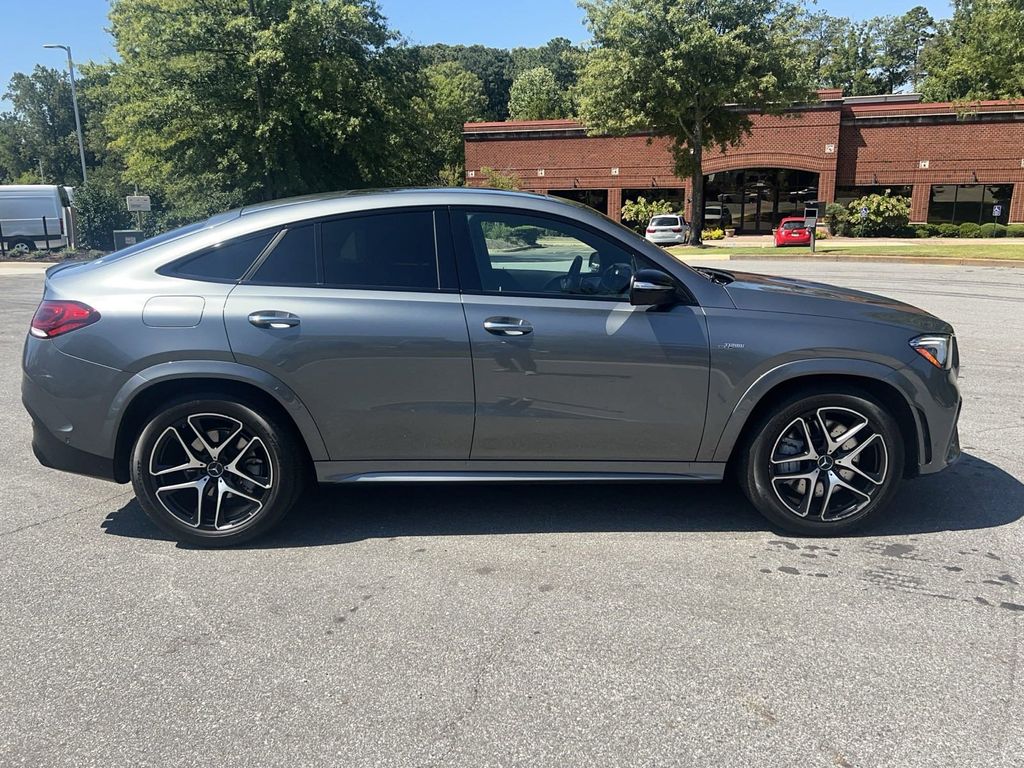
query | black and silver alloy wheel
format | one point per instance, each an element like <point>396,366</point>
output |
<point>210,471</point>
<point>828,464</point>
<point>820,464</point>
<point>216,472</point>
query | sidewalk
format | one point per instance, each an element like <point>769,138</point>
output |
<point>24,267</point>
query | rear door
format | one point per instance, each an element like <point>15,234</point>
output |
<point>360,316</point>
<point>565,369</point>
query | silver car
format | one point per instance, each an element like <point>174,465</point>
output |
<point>471,335</point>
<point>668,229</point>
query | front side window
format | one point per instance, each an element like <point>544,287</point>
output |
<point>224,262</point>
<point>384,250</point>
<point>527,254</point>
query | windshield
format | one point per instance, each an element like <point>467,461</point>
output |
<point>167,237</point>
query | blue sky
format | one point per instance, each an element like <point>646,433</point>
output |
<point>505,23</point>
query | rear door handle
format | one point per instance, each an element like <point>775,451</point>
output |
<point>507,326</point>
<point>273,318</point>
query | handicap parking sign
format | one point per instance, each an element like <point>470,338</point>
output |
<point>997,211</point>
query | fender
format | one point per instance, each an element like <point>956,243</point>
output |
<point>218,369</point>
<point>720,450</point>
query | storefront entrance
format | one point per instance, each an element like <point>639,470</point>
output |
<point>754,200</point>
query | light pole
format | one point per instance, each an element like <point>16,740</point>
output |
<point>74,101</point>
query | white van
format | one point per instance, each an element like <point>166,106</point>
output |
<point>23,208</point>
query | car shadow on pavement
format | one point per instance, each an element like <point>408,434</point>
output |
<point>972,495</point>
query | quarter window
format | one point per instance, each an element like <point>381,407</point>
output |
<point>517,253</point>
<point>292,261</point>
<point>225,262</point>
<point>386,250</point>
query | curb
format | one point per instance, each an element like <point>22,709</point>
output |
<point>954,261</point>
<point>25,267</point>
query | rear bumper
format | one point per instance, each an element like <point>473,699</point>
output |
<point>54,453</point>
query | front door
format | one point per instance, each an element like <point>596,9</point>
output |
<point>363,334</point>
<point>565,369</point>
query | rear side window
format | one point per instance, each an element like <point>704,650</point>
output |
<point>292,261</point>
<point>225,262</point>
<point>386,250</point>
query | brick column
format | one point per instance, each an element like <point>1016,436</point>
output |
<point>827,187</point>
<point>1017,204</point>
<point>919,203</point>
<point>615,204</point>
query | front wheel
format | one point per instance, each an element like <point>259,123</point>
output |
<point>822,464</point>
<point>215,472</point>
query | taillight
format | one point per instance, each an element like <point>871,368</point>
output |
<point>651,230</point>
<point>54,318</point>
<point>677,229</point>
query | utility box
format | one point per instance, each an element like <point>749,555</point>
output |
<point>125,237</point>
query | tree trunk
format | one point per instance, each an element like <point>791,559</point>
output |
<point>697,186</point>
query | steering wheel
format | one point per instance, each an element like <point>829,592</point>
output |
<point>615,280</point>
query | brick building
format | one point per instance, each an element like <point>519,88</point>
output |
<point>957,163</point>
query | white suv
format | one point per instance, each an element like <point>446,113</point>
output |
<point>668,229</point>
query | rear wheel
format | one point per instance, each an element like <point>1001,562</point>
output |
<point>20,247</point>
<point>821,464</point>
<point>215,472</point>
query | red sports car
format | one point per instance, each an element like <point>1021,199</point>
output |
<point>791,231</point>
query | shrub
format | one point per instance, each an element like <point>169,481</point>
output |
<point>992,229</point>
<point>927,230</point>
<point>820,233</point>
<point>526,235</point>
<point>1015,230</point>
<point>970,229</point>
<point>713,234</point>
<point>100,210</point>
<point>949,230</point>
<point>922,232</point>
<point>498,180</point>
<point>838,218</point>
<point>640,211</point>
<point>886,216</point>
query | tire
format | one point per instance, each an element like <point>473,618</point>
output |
<point>835,486</point>
<point>20,247</point>
<point>231,486</point>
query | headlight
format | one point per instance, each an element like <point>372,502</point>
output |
<point>937,349</point>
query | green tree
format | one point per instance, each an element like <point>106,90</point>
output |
<point>536,95</point>
<point>453,97</point>
<point>640,211</point>
<point>40,130</point>
<point>899,41</point>
<point>494,67</point>
<point>977,54</point>
<point>499,180</point>
<point>221,103</point>
<point>559,55</point>
<point>675,67</point>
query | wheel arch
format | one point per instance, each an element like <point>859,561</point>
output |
<point>144,394</point>
<point>872,380</point>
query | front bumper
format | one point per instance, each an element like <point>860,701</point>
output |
<point>934,396</point>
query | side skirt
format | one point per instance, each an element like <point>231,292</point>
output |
<point>518,471</point>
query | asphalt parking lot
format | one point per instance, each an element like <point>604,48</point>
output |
<point>527,626</point>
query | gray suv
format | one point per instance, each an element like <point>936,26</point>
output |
<point>472,335</point>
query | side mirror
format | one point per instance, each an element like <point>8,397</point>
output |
<point>652,288</point>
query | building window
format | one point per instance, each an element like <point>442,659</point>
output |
<point>959,203</point>
<point>846,195</point>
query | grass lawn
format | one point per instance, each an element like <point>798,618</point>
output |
<point>952,249</point>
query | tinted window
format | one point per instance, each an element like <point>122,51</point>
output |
<point>293,260</point>
<point>665,221</point>
<point>227,261</point>
<point>518,253</point>
<point>387,250</point>
<point>792,225</point>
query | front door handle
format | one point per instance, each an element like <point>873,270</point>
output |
<point>273,318</point>
<point>507,326</point>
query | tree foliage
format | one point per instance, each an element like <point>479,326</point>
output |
<point>239,100</point>
<point>536,95</point>
<point>453,97</point>
<point>40,130</point>
<point>494,67</point>
<point>977,54</point>
<point>674,66</point>
<point>640,211</point>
